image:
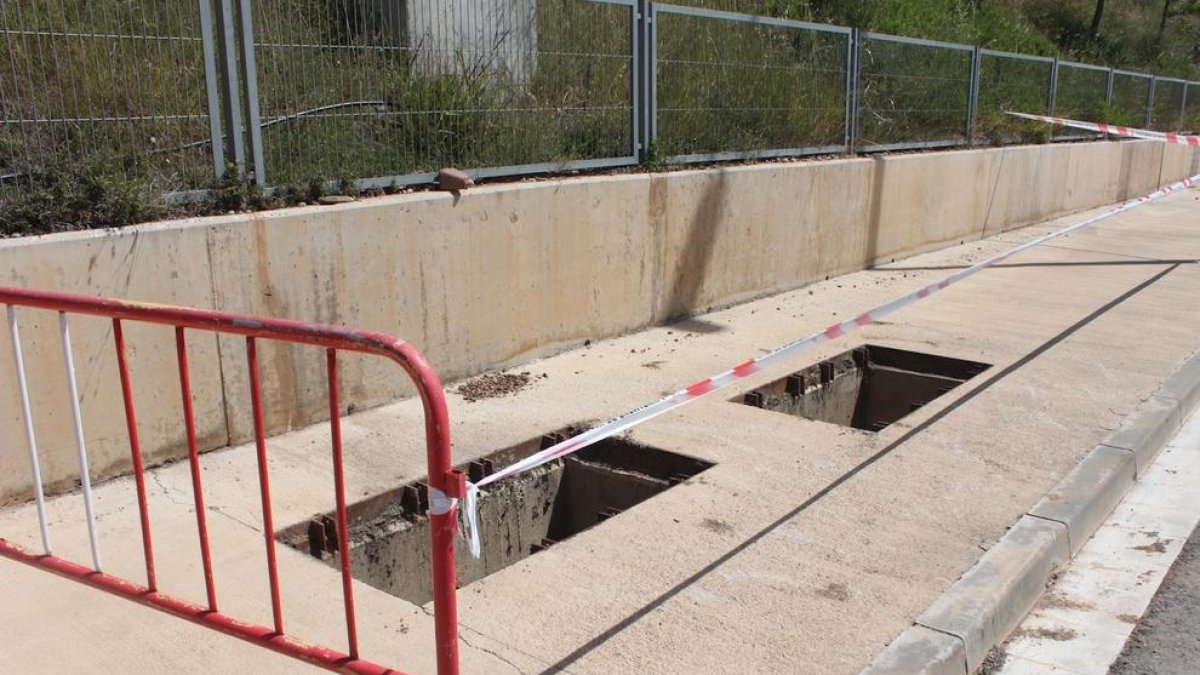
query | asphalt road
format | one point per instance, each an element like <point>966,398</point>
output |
<point>1167,640</point>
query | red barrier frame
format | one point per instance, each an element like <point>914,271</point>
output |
<point>333,338</point>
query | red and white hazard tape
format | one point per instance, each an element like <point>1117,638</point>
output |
<point>469,514</point>
<point>1114,129</point>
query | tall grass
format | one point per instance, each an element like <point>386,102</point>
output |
<point>574,104</point>
<point>731,86</point>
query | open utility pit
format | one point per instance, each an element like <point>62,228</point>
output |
<point>866,388</point>
<point>518,516</point>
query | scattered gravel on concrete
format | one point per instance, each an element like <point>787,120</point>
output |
<point>993,662</point>
<point>1056,634</point>
<point>494,385</point>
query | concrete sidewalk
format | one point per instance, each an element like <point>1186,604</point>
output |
<point>1108,590</point>
<point>806,548</point>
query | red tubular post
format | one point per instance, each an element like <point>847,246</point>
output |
<point>189,418</point>
<point>339,488</point>
<point>264,483</point>
<point>135,451</point>
<point>441,526</point>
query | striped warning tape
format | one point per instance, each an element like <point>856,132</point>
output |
<point>1114,129</point>
<point>469,514</point>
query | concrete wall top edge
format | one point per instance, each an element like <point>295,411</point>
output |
<point>905,155</point>
<point>787,163</point>
<point>491,188</point>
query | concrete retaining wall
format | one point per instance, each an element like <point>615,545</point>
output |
<point>503,274</point>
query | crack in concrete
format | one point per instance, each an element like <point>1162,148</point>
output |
<point>166,490</point>
<point>169,491</point>
<point>463,626</point>
<point>462,638</point>
<point>217,510</point>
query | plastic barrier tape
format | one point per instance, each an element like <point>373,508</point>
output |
<point>469,514</point>
<point>1114,129</point>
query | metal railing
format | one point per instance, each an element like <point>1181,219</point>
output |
<point>287,92</point>
<point>444,482</point>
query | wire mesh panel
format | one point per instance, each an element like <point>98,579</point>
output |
<point>1131,95</point>
<point>912,93</point>
<point>734,85</point>
<point>1191,111</point>
<point>101,91</point>
<point>398,88</point>
<point>1010,82</point>
<point>1167,111</point>
<point>1081,94</point>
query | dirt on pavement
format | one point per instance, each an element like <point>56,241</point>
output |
<point>494,385</point>
<point>1167,642</point>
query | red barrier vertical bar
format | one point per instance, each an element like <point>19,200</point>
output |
<point>264,482</point>
<point>135,451</point>
<point>441,525</point>
<point>189,418</point>
<point>339,488</point>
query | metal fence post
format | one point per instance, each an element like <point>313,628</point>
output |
<point>635,81</point>
<point>853,78</point>
<point>644,68</point>
<point>1150,102</point>
<point>1053,92</point>
<point>973,95</point>
<point>1108,88</point>
<point>232,84</point>
<point>1183,108</point>
<point>652,66</point>
<point>213,86</point>
<point>255,118</point>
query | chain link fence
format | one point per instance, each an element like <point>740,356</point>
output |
<point>179,96</point>
<point>1191,108</point>
<point>912,93</point>
<point>104,88</point>
<point>396,90</point>
<point>762,87</point>
<point>1010,82</point>
<point>1167,111</point>
<point>1130,98</point>
<point>1080,92</point>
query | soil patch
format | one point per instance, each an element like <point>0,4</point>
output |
<point>1057,634</point>
<point>493,385</point>
<point>993,662</point>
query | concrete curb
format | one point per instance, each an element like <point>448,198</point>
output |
<point>1084,498</point>
<point>922,650</point>
<point>992,598</point>
<point>1146,431</point>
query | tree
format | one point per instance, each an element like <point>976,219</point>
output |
<point>1162,23</point>
<point>1188,8</point>
<point>1097,17</point>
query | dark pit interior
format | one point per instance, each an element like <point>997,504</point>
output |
<point>867,388</point>
<point>518,516</point>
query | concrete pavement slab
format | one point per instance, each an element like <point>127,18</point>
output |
<point>806,548</point>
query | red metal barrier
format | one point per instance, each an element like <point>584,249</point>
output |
<point>443,481</point>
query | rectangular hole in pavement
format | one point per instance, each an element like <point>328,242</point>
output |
<point>518,516</point>
<point>867,388</point>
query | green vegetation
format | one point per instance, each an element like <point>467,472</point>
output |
<point>1128,37</point>
<point>737,86</point>
<point>106,111</point>
<point>425,107</point>
<point>94,195</point>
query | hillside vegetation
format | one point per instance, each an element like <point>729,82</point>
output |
<point>1131,35</point>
